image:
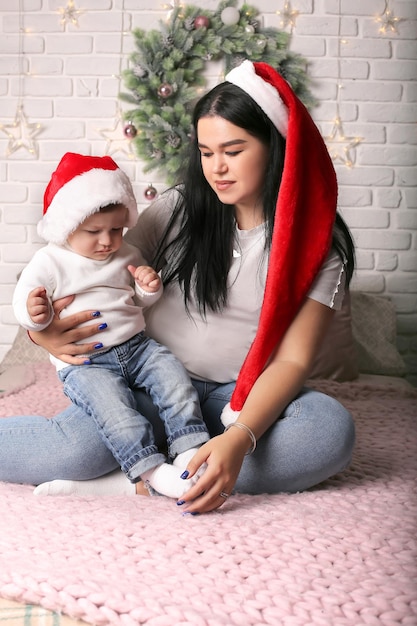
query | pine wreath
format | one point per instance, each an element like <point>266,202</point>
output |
<point>165,76</point>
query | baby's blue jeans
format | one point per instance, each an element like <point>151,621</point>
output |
<point>104,390</point>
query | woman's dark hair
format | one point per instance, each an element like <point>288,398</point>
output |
<point>198,257</point>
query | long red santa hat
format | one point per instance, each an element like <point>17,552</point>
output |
<point>304,217</point>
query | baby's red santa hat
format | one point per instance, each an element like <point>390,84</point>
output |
<point>304,218</point>
<point>80,186</point>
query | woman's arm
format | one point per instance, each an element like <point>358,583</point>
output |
<point>60,338</point>
<point>288,368</point>
<point>281,380</point>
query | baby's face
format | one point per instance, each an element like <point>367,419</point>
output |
<point>101,234</point>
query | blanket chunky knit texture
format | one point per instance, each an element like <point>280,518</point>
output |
<point>341,554</point>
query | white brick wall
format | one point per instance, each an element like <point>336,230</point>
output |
<point>71,86</point>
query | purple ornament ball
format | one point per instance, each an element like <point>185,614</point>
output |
<point>130,130</point>
<point>150,192</point>
<point>165,90</point>
<point>201,21</point>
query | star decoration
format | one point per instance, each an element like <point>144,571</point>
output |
<point>341,148</point>
<point>388,21</point>
<point>174,4</point>
<point>21,134</point>
<point>69,14</point>
<point>116,140</point>
<point>288,15</point>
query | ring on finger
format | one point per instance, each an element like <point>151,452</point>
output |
<point>224,495</point>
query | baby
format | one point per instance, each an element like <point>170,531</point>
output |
<point>88,205</point>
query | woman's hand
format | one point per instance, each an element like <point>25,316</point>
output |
<point>224,457</point>
<point>60,338</point>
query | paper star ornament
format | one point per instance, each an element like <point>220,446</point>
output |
<point>116,140</point>
<point>21,134</point>
<point>174,4</point>
<point>69,14</point>
<point>288,16</point>
<point>341,148</point>
<point>388,22</point>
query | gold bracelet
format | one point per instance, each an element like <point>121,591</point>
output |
<point>248,431</point>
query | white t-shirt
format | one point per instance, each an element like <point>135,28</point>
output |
<point>214,348</point>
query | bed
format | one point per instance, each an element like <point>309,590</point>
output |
<point>343,553</point>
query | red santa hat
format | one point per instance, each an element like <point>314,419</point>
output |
<point>304,217</point>
<point>80,186</point>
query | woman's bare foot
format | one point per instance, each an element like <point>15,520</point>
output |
<point>141,489</point>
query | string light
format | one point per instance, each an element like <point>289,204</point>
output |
<point>117,139</point>
<point>340,146</point>
<point>20,132</point>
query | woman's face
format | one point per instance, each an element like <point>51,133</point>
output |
<point>234,163</point>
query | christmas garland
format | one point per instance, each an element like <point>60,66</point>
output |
<point>166,75</point>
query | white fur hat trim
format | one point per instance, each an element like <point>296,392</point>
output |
<point>228,415</point>
<point>264,94</point>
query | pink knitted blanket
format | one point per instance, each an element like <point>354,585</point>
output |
<point>341,554</point>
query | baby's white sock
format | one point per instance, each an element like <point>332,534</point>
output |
<point>182,459</point>
<point>166,480</point>
<point>114,484</point>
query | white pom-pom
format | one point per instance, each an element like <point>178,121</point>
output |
<point>229,416</point>
<point>230,16</point>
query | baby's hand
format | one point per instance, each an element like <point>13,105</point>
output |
<point>38,305</point>
<point>146,277</point>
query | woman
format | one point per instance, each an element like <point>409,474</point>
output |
<point>255,262</point>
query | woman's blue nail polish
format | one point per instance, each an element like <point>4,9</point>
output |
<point>180,502</point>
<point>98,346</point>
<point>102,326</point>
<point>185,474</point>
<point>96,314</point>
<point>87,362</point>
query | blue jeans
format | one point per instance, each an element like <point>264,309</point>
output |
<point>312,440</point>
<point>104,390</point>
